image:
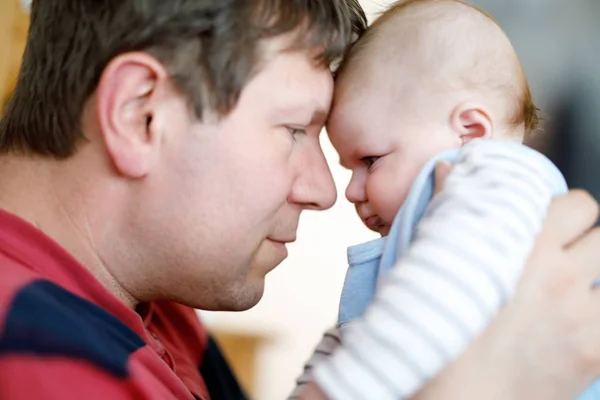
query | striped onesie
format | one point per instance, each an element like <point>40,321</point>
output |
<point>441,275</point>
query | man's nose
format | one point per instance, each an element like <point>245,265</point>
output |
<point>314,188</point>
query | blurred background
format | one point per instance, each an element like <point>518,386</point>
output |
<point>556,41</point>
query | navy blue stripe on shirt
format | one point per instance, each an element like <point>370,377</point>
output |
<point>220,380</point>
<point>47,320</point>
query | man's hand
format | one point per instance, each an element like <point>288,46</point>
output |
<point>546,343</point>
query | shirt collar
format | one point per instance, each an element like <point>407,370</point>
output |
<point>36,251</point>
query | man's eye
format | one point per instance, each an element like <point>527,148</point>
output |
<point>369,161</point>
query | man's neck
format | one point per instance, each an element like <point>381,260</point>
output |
<point>32,191</point>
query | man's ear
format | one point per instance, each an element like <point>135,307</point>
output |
<point>126,97</point>
<point>471,121</point>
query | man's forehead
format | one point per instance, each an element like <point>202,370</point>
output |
<point>307,95</point>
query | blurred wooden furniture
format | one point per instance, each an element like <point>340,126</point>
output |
<point>14,23</point>
<point>241,350</point>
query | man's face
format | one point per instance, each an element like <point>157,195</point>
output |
<point>235,187</point>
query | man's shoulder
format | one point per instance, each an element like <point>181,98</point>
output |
<point>54,344</point>
<point>41,319</point>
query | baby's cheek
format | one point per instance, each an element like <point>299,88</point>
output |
<point>386,196</point>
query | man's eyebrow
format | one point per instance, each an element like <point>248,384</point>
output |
<point>317,113</point>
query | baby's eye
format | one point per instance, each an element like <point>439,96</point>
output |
<point>296,131</point>
<point>369,161</point>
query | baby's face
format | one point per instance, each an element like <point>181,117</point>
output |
<point>385,146</point>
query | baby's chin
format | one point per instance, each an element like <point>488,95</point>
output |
<point>384,230</point>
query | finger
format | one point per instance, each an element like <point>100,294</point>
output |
<point>570,216</point>
<point>584,254</point>
<point>442,170</point>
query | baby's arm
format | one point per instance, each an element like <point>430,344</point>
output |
<point>462,267</point>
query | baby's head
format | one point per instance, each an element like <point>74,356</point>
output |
<point>428,76</point>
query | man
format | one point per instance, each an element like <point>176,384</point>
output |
<point>156,157</point>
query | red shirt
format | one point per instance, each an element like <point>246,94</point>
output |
<point>64,336</point>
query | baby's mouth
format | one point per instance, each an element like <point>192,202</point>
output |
<point>375,224</point>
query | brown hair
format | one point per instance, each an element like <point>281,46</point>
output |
<point>526,112</point>
<point>211,49</point>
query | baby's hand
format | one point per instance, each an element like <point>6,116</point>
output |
<point>442,170</point>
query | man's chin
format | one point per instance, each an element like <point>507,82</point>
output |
<point>246,297</point>
<point>238,296</point>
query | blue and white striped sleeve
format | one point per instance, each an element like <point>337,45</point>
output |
<point>467,257</point>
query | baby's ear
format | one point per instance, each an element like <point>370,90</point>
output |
<point>471,121</point>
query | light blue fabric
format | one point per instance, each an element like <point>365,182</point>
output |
<point>370,261</point>
<point>592,392</point>
<point>361,279</point>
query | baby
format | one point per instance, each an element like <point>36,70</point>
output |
<point>428,76</point>
<point>437,80</point>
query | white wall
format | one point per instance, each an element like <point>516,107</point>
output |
<point>302,294</point>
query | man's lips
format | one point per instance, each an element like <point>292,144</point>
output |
<point>283,240</point>
<point>281,243</point>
